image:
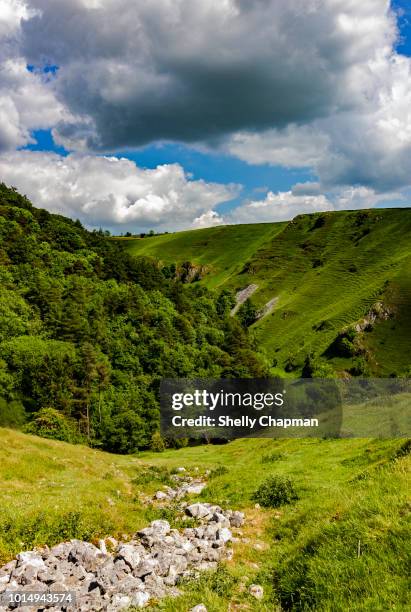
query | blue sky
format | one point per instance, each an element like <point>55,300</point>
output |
<point>278,112</point>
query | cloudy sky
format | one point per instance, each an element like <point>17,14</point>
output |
<point>170,114</point>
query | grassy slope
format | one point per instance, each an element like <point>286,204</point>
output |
<point>330,273</point>
<point>225,249</point>
<point>350,491</point>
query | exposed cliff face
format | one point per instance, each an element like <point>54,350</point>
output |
<point>189,272</point>
<point>378,312</point>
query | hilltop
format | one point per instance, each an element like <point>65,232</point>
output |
<point>340,283</point>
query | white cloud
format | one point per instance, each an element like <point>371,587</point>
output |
<point>280,206</point>
<point>211,218</point>
<point>27,102</point>
<point>293,147</point>
<point>112,192</point>
<point>305,199</point>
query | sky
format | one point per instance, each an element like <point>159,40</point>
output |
<point>167,115</point>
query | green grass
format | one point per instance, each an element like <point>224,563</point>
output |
<point>308,555</point>
<point>225,249</point>
<point>327,271</point>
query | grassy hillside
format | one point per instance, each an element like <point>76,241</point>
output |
<point>225,249</point>
<point>343,545</point>
<point>328,271</point>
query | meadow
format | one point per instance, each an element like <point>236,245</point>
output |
<point>343,545</point>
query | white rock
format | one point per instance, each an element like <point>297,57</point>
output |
<point>197,510</point>
<point>181,469</point>
<point>160,528</point>
<point>161,495</point>
<point>199,608</point>
<point>140,599</point>
<point>196,488</point>
<point>256,591</point>
<point>119,601</point>
<point>224,534</point>
<point>130,555</point>
<point>30,558</point>
<point>102,546</point>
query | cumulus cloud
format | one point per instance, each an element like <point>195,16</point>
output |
<point>280,206</point>
<point>26,100</point>
<point>369,145</point>
<point>113,192</point>
<point>211,218</point>
<point>305,198</point>
<point>198,70</point>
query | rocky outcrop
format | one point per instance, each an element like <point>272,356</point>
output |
<point>378,312</point>
<point>149,566</point>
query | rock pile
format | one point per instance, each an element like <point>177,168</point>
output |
<point>149,566</point>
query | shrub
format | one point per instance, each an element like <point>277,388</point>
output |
<point>50,423</point>
<point>275,491</point>
<point>157,443</point>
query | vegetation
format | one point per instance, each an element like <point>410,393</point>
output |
<point>275,492</point>
<point>329,271</point>
<point>88,327</point>
<point>342,546</point>
<point>88,330</point>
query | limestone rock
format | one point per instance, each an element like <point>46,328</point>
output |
<point>256,591</point>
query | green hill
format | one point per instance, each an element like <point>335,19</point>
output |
<point>327,271</point>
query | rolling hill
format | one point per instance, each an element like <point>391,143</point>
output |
<point>329,274</point>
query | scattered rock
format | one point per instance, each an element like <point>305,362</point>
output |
<point>199,608</point>
<point>256,591</point>
<point>237,519</point>
<point>160,495</point>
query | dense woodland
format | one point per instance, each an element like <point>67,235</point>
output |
<point>87,331</point>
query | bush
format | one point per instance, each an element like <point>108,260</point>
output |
<point>275,491</point>
<point>50,423</point>
<point>157,443</point>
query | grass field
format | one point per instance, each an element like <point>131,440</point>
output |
<point>327,271</point>
<point>343,545</point>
